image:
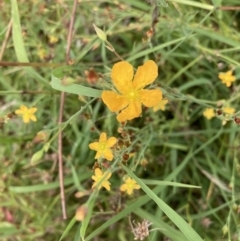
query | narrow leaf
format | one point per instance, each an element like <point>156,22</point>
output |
<point>17,34</point>
<point>186,229</point>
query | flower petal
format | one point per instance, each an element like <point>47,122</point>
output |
<point>94,146</point>
<point>137,186</point>
<point>114,101</point>
<point>111,141</point>
<point>103,137</point>
<point>128,180</point>
<point>18,112</point>
<point>161,105</point>
<point>23,108</point>
<point>150,98</point>
<point>106,184</point>
<point>33,110</point>
<point>129,191</point>
<point>106,177</point>
<point>122,75</point>
<point>26,119</point>
<point>145,74</point>
<point>134,110</point>
<point>98,172</point>
<point>94,177</point>
<point>123,187</point>
<point>108,154</point>
<point>98,155</point>
<point>33,118</point>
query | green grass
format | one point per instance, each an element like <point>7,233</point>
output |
<point>191,178</point>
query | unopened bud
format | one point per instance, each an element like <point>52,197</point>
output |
<point>37,156</point>
<point>100,33</point>
<point>68,81</point>
<point>225,229</point>
<point>81,213</point>
<point>42,136</point>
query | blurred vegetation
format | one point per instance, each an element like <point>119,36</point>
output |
<point>191,42</point>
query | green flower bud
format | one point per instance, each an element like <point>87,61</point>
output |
<point>100,33</point>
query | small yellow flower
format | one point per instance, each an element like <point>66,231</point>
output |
<point>209,113</point>
<point>161,105</point>
<point>227,78</point>
<point>130,94</point>
<point>101,179</point>
<point>103,146</point>
<point>42,54</point>
<point>129,185</point>
<point>52,39</point>
<point>228,110</point>
<point>27,113</point>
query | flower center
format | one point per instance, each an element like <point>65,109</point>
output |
<point>27,113</point>
<point>132,95</point>
<point>130,186</point>
<point>102,146</point>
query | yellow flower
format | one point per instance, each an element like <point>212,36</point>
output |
<point>228,110</point>
<point>27,113</point>
<point>131,95</point>
<point>129,185</point>
<point>103,146</point>
<point>227,78</point>
<point>52,39</point>
<point>209,113</point>
<point>101,179</point>
<point>42,54</point>
<point>160,105</point>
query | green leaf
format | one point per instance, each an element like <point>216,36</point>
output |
<point>186,229</point>
<point>167,183</point>
<point>90,204</point>
<point>17,34</point>
<point>194,4</point>
<point>48,186</point>
<point>197,82</point>
<point>56,84</point>
<point>68,228</point>
<point>156,48</point>
<point>19,44</point>
<point>141,200</point>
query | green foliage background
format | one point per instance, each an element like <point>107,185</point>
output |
<point>193,163</point>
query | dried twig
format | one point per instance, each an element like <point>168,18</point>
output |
<point>34,65</point>
<point>60,159</point>
<point>229,8</point>
<point>70,32</point>
<point>9,28</point>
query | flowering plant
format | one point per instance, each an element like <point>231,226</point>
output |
<point>130,94</point>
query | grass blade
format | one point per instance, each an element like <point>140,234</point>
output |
<point>73,88</point>
<point>176,218</point>
<point>17,34</point>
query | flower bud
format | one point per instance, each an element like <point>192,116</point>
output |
<point>100,33</point>
<point>37,156</point>
<point>81,213</point>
